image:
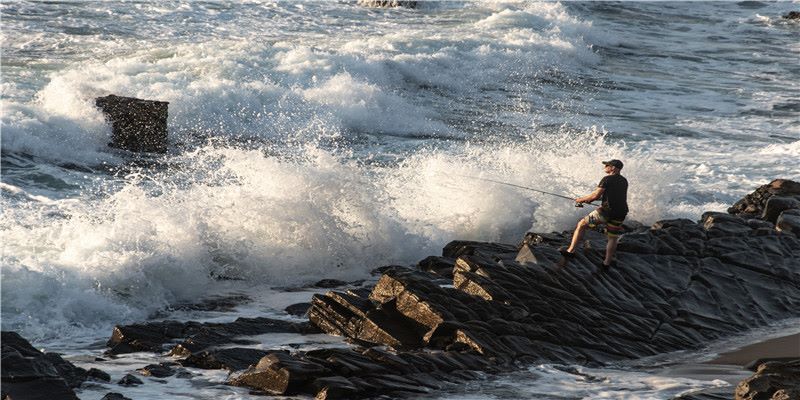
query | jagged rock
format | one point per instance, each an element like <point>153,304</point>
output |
<point>298,309</point>
<point>772,380</point>
<point>136,124</point>
<point>98,375</point>
<point>789,221</point>
<point>154,335</point>
<point>792,15</point>
<point>114,396</point>
<point>752,205</point>
<point>280,374</point>
<point>388,3</point>
<point>129,380</point>
<point>334,387</point>
<point>778,204</point>
<point>232,359</point>
<point>162,370</point>
<point>28,373</point>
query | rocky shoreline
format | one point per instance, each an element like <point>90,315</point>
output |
<point>489,307</point>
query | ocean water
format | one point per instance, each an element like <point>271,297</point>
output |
<point>324,139</point>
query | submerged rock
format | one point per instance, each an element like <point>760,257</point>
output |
<point>388,3</point>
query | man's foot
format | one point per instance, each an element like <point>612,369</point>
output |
<point>565,253</point>
<point>605,266</point>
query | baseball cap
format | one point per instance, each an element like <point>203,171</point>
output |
<point>614,163</point>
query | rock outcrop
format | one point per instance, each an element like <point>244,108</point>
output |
<point>136,125</point>
<point>388,3</point>
<point>489,307</point>
<point>792,15</point>
<point>28,373</point>
<point>773,380</point>
<point>754,205</point>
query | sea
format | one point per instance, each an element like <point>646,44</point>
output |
<point>323,139</point>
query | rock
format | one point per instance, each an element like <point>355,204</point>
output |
<point>98,375</point>
<point>388,3</point>
<point>329,283</point>
<point>334,387</point>
<point>162,370</point>
<point>114,396</point>
<point>792,15</point>
<point>752,205</point>
<point>232,359</point>
<point>198,336</point>
<point>28,373</point>
<point>772,380</point>
<point>778,204</point>
<point>137,125</point>
<point>299,309</point>
<point>129,380</point>
<point>279,374</point>
<point>789,221</point>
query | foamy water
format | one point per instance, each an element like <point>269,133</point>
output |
<point>324,139</point>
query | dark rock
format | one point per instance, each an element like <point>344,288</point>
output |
<point>137,125</point>
<point>114,396</point>
<point>198,336</point>
<point>280,374</point>
<point>27,373</point>
<point>129,380</point>
<point>792,15</point>
<point>789,221</point>
<point>441,266</point>
<point>232,359</point>
<point>216,303</point>
<point>98,375</point>
<point>753,204</point>
<point>299,309</point>
<point>772,380</point>
<point>388,3</point>
<point>162,370</point>
<point>329,283</point>
<point>778,204</point>
<point>334,387</point>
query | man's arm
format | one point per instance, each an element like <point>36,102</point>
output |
<point>598,193</point>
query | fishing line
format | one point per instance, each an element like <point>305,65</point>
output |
<point>528,188</point>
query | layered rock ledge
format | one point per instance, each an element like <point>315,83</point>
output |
<point>487,307</point>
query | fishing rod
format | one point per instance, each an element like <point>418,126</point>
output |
<point>529,188</point>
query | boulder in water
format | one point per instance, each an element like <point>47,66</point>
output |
<point>792,15</point>
<point>387,3</point>
<point>136,125</point>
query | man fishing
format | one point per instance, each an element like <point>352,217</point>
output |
<point>613,190</point>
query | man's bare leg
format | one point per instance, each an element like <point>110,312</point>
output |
<point>578,235</point>
<point>611,249</point>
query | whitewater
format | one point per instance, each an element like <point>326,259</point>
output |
<point>313,140</point>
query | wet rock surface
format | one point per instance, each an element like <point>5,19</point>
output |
<point>489,307</point>
<point>27,373</point>
<point>773,380</point>
<point>195,336</point>
<point>136,125</point>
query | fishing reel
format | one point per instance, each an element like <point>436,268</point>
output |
<point>578,205</point>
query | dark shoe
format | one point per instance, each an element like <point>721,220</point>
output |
<point>565,253</point>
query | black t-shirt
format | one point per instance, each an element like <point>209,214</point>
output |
<point>615,196</point>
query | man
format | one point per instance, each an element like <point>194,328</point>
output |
<point>613,190</point>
